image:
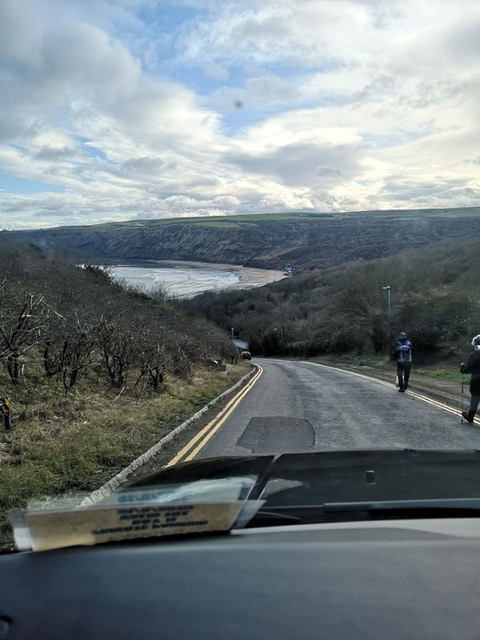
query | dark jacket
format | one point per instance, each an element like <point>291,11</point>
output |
<point>472,366</point>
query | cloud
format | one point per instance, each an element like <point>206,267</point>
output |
<point>130,108</point>
<point>54,154</point>
<point>146,166</point>
<point>304,164</point>
<point>259,91</point>
<point>20,35</point>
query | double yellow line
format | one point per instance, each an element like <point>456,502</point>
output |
<point>196,444</point>
<point>419,396</point>
<point>435,403</point>
<point>200,440</point>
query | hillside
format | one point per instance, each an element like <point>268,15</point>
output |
<point>435,297</point>
<point>268,241</point>
<point>94,374</point>
<point>61,324</point>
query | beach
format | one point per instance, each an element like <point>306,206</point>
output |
<point>185,279</point>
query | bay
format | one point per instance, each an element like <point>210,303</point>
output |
<point>187,279</point>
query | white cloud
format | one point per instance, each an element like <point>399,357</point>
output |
<point>114,109</point>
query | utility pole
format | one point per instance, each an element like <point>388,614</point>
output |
<point>388,289</point>
<point>389,300</point>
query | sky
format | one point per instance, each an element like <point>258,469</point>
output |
<point>114,110</point>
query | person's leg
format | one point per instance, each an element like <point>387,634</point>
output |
<point>406,376</point>
<point>474,402</point>
<point>401,382</point>
<point>470,414</point>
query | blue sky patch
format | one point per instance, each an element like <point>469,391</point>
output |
<point>14,184</point>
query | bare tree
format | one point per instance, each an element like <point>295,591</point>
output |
<point>155,359</point>
<point>117,343</point>
<point>20,326</point>
<point>70,353</point>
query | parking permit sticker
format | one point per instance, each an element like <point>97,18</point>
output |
<point>42,530</point>
<point>198,491</point>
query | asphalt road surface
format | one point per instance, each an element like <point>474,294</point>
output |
<point>302,406</point>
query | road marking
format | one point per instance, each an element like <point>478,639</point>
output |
<point>353,373</point>
<point>435,403</point>
<point>214,425</point>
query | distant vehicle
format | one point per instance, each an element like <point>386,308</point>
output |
<point>245,355</point>
<point>288,268</point>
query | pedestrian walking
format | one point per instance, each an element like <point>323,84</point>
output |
<point>403,356</point>
<point>472,367</point>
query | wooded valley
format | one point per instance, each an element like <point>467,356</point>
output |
<point>434,297</point>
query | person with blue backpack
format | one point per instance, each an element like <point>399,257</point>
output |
<point>403,356</point>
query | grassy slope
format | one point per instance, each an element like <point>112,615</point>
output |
<point>68,442</point>
<point>229,221</point>
<point>77,443</point>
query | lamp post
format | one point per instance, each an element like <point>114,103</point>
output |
<point>388,289</point>
<point>389,300</point>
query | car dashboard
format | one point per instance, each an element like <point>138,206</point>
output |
<point>388,579</point>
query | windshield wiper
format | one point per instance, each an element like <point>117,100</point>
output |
<point>468,505</point>
<point>266,518</point>
<point>426,508</point>
<point>350,511</point>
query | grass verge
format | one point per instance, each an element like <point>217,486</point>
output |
<point>447,370</point>
<point>60,444</point>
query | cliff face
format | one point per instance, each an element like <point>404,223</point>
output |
<point>268,241</point>
<point>260,243</point>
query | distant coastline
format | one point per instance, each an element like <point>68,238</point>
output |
<point>186,278</point>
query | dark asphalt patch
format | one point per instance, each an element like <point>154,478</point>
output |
<point>278,433</point>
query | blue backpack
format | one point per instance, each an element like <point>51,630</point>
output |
<point>404,351</point>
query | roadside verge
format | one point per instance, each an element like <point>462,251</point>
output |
<point>123,476</point>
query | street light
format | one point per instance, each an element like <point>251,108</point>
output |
<point>388,289</point>
<point>389,300</point>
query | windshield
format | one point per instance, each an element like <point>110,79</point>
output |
<point>233,231</point>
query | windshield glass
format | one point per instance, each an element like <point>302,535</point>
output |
<point>237,230</point>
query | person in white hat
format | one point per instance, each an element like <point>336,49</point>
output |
<point>473,367</point>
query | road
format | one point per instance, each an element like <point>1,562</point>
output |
<point>303,406</point>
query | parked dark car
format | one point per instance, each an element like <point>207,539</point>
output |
<point>246,355</point>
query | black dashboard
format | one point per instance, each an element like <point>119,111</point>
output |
<point>405,579</point>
